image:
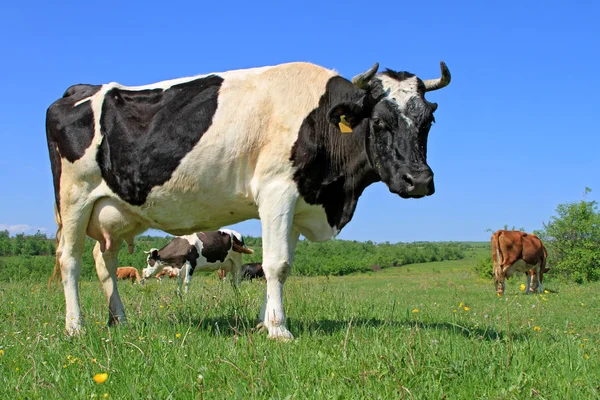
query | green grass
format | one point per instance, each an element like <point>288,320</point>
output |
<point>398,333</point>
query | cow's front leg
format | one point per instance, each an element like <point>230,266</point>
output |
<point>276,214</point>
<point>536,286</point>
<point>106,268</point>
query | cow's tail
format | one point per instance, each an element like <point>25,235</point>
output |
<point>497,253</point>
<point>544,260</point>
<point>56,272</point>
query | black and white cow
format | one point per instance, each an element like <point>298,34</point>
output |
<point>202,251</point>
<point>198,153</point>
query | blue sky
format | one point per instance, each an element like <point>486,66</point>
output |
<point>516,130</point>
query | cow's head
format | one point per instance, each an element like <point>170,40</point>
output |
<point>237,242</point>
<point>153,264</point>
<point>397,118</point>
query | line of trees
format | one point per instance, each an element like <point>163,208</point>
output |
<point>26,245</point>
<point>336,257</point>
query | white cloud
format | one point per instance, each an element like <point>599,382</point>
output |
<point>22,228</point>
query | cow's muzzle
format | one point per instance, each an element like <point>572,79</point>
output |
<point>418,184</point>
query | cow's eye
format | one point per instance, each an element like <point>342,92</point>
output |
<point>379,123</point>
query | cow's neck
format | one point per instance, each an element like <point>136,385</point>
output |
<point>332,168</point>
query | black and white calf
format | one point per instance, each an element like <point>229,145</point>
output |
<point>202,251</point>
<point>293,144</point>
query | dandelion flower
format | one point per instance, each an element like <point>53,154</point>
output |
<point>178,335</point>
<point>1,352</point>
<point>460,305</point>
<point>522,287</point>
<point>546,292</point>
<point>105,395</point>
<point>582,304</point>
<point>586,356</point>
<point>537,328</point>
<point>415,310</point>
<point>101,378</point>
<point>467,309</point>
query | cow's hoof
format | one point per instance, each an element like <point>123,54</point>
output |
<point>73,328</point>
<point>280,333</point>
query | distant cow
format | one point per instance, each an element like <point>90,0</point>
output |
<point>205,251</point>
<point>130,273</point>
<point>252,270</point>
<point>293,144</point>
<point>168,271</point>
<point>515,251</point>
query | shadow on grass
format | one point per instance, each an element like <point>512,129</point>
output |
<point>328,327</point>
<point>230,325</point>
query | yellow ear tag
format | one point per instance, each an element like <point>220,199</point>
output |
<point>344,125</point>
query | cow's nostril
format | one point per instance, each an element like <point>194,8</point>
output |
<point>408,179</point>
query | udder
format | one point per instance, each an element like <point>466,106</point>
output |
<point>111,222</point>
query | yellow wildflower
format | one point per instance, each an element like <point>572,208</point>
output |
<point>94,360</point>
<point>415,310</point>
<point>467,309</point>
<point>522,287</point>
<point>65,366</point>
<point>101,378</point>
<point>537,328</point>
<point>582,304</point>
<point>105,395</point>
<point>460,305</point>
<point>586,356</point>
<point>178,335</point>
<point>546,292</point>
<point>16,369</point>
<point>1,352</point>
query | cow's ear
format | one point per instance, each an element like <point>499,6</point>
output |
<point>352,113</point>
<point>154,253</point>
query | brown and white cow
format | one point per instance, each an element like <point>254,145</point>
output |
<point>202,251</point>
<point>293,144</point>
<point>518,252</point>
<point>130,273</point>
<point>168,271</point>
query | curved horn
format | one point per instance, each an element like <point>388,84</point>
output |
<point>362,80</point>
<point>435,84</point>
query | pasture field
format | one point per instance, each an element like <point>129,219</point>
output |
<point>425,331</point>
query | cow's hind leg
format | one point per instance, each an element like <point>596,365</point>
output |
<point>71,235</point>
<point>106,268</point>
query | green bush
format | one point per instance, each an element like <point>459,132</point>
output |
<point>485,268</point>
<point>572,238</point>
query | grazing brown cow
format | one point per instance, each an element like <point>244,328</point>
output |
<point>129,273</point>
<point>515,251</point>
<point>168,271</point>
